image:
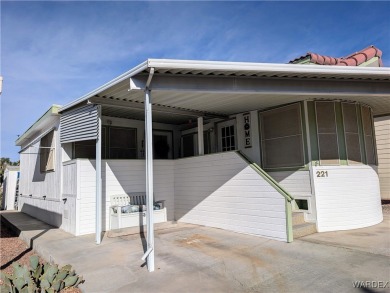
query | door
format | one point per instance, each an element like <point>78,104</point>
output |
<point>162,145</point>
<point>189,145</point>
<point>227,136</point>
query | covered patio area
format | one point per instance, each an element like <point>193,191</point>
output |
<point>192,115</point>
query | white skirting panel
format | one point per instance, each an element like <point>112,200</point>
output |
<point>223,191</point>
<point>347,197</point>
<point>119,177</point>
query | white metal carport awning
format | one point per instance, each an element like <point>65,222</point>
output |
<point>226,88</point>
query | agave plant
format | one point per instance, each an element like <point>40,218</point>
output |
<point>39,278</point>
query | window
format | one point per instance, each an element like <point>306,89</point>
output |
<point>351,130</point>
<point>86,149</point>
<point>327,133</point>
<point>122,143</point>
<point>282,139</point>
<point>47,152</point>
<point>117,143</point>
<point>189,144</point>
<point>368,136</point>
<point>228,138</point>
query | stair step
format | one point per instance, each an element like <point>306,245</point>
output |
<point>298,218</point>
<point>304,229</point>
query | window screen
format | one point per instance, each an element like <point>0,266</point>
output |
<point>282,143</point>
<point>351,133</point>
<point>122,143</point>
<point>47,152</point>
<point>368,135</point>
<point>327,133</point>
<point>87,149</point>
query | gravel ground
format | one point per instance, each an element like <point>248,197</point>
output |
<point>14,249</point>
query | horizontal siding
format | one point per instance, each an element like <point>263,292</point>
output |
<point>348,198</point>
<point>297,183</point>
<point>44,210</point>
<point>33,182</point>
<point>382,133</point>
<point>121,176</point>
<point>222,191</point>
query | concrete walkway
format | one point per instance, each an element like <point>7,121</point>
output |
<point>192,258</point>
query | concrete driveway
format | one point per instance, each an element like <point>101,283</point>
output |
<point>192,258</point>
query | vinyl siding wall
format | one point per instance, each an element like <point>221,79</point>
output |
<point>118,177</point>
<point>347,198</point>
<point>218,190</point>
<point>37,184</point>
<point>298,184</point>
<point>382,132</point>
<point>222,191</point>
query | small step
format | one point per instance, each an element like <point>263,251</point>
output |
<point>304,229</point>
<point>298,218</point>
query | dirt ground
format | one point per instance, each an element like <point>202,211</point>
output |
<point>14,249</point>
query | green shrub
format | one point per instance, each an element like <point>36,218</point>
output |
<point>39,278</point>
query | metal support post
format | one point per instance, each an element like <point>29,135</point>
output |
<point>149,180</point>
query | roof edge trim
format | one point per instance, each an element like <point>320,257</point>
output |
<point>270,67</point>
<point>52,111</point>
<point>135,70</point>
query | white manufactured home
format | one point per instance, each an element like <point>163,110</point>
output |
<point>237,146</point>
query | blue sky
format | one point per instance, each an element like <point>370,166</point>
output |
<point>54,52</point>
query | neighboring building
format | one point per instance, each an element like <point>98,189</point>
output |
<point>237,146</point>
<point>382,132</point>
<point>10,187</point>
<point>368,57</point>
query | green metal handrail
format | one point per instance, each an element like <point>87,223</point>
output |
<point>267,177</point>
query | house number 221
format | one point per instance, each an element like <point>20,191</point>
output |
<point>322,173</point>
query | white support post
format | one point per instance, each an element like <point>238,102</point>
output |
<point>200,137</point>
<point>99,178</point>
<point>149,180</point>
<point>309,158</point>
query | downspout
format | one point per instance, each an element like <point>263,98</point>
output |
<point>149,255</point>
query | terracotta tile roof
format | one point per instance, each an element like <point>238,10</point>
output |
<point>354,59</point>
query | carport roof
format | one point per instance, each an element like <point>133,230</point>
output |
<point>212,88</point>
